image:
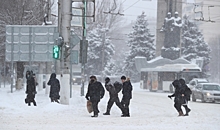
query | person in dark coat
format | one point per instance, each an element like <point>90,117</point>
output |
<point>127,96</point>
<point>54,88</point>
<point>113,93</point>
<point>187,93</point>
<point>94,94</point>
<point>30,89</point>
<point>179,96</point>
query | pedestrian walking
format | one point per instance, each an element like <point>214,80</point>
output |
<point>54,88</point>
<point>127,96</point>
<point>179,97</point>
<point>187,93</point>
<point>113,94</point>
<point>30,89</point>
<point>94,94</point>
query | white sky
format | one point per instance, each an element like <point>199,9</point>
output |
<point>131,12</point>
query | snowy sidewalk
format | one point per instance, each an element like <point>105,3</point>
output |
<point>149,111</point>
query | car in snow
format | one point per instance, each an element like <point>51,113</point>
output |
<point>77,78</point>
<point>195,81</point>
<point>206,92</point>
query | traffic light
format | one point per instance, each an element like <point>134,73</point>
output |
<point>56,52</point>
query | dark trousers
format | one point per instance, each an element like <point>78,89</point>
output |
<point>125,105</point>
<point>178,106</point>
<point>111,101</point>
<point>95,107</point>
<point>186,107</point>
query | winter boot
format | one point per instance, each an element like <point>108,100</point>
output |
<point>34,103</point>
<point>181,113</point>
<point>187,112</point>
<point>57,101</point>
<point>95,114</point>
<point>107,112</point>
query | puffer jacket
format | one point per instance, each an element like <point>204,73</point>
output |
<point>127,90</point>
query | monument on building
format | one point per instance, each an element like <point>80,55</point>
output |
<point>169,25</point>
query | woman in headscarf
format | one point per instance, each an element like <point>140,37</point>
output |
<point>54,88</point>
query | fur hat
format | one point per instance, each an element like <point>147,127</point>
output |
<point>123,77</point>
<point>92,77</point>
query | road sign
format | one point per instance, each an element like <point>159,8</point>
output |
<point>74,57</point>
<point>77,17</point>
<point>30,42</point>
<point>74,39</point>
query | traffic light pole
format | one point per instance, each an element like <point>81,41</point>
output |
<point>65,33</point>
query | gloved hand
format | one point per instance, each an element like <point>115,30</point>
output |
<point>169,97</point>
<point>87,97</point>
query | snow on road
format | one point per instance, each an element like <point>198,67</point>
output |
<point>149,111</point>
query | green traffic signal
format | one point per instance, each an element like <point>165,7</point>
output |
<point>56,52</point>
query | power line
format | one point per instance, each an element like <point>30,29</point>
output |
<point>124,1</point>
<point>131,5</point>
<point>143,7</point>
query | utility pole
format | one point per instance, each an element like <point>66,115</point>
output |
<point>48,64</point>
<point>66,14</point>
<point>83,39</point>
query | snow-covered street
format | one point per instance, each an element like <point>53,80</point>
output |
<point>149,111</point>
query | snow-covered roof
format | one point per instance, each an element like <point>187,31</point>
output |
<point>174,68</point>
<point>160,63</point>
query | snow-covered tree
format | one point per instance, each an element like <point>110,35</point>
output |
<point>193,44</point>
<point>141,43</point>
<point>19,12</point>
<point>100,50</point>
<point>110,68</point>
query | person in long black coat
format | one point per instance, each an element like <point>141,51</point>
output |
<point>179,97</point>
<point>30,88</point>
<point>54,88</point>
<point>127,96</point>
<point>94,94</point>
<point>113,93</point>
<point>187,93</point>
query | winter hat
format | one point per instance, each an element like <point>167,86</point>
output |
<point>182,81</point>
<point>92,77</point>
<point>176,83</point>
<point>107,79</point>
<point>123,77</point>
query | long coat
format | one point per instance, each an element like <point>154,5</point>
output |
<point>30,88</point>
<point>179,90</point>
<point>95,91</point>
<point>127,90</point>
<point>55,86</point>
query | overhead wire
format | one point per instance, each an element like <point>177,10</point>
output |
<point>131,5</point>
<point>124,1</point>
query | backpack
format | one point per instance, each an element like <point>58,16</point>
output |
<point>118,86</point>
